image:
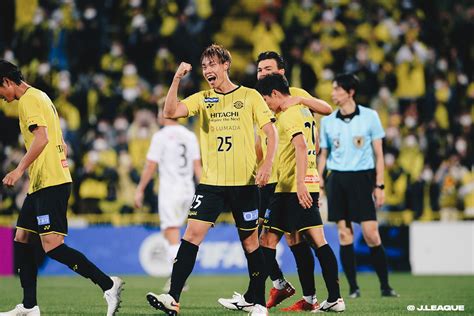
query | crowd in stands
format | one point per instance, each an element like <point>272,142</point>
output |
<point>106,64</point>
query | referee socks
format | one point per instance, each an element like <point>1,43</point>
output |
<point>379,260</point>
<point>28,271</point>
<point>77,262</point>
<point>348,262</point>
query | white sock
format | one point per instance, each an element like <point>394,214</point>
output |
<point>279,284</point>
<point>311,299</point>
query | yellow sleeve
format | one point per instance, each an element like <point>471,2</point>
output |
<point>34,115</point>
<point>298,92</point>
<point>193,103</point>
<point>261,113</point>
<point>291,124</point>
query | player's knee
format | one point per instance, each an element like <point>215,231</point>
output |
<point>345,236</point>
<point>372,238</point>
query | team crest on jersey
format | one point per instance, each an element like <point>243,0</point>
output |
<point>336,143</point>
<point>238,104</point>
<point>358,141</point>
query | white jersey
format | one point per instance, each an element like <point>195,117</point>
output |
<point>174,148</point>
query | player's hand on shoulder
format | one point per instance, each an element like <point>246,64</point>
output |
<point>292,100</point>
<point>12,177</point>
<point>183,70</point>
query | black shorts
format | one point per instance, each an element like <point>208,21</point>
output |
<point>265,195</point>
<point>350,196</point>
<point>210,200</point>
<point>44,211</point>
<point>285,214</point>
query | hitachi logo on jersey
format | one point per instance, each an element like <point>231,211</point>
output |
<point>211,100</point>
<point>224,114</point>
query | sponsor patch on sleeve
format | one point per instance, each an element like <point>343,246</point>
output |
<point>64,163</point>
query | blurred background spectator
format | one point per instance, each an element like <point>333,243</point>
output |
<point>106,63</point>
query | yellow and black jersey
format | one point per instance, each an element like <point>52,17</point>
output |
<point>50,168</point>
<point>227,133</point>
<point>290,123</point>
<point>297,92</point>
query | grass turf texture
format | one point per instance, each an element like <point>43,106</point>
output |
<point>78,296</point>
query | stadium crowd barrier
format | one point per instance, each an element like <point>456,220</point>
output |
<point>141,250</point>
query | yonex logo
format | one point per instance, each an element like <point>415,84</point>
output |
<point>250,216</point>
<point>43,220</point>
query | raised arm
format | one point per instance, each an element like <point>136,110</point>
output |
<point>173,108</point>
<point>40,141</point>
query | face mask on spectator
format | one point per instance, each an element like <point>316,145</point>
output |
<point>465,120</point>
<point>392,132</point>
<point>100,144</point>
<point>427,175</point>
<point>64,85</point>
<point>116,50</point>
<point>384,93</point>
<point>103,127</point>
<point>442,65</point>
<point>8,55</point>
<point>142,133</point>
<point>135,3</point>
<point>90,13</point>
<point>38,17</point>
<point>461,146</point>
<point>129,70</point>
<point>389,160</point>
<point>410,121</point>
<point>138,21</point>
<point>43,69</point>
<point>121,124</point>
<point>130,94</point>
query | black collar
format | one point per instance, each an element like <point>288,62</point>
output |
<point>347,118</point>
<point>227,92</point>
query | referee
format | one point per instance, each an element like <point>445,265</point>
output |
<point>351,149</point>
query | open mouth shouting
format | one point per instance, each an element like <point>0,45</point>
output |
<point>211,79</point>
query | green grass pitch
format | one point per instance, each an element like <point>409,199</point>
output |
<point>78,296</point>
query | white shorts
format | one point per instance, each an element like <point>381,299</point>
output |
<point>173,206</point>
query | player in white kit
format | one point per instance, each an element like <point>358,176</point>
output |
<point>175,151</point>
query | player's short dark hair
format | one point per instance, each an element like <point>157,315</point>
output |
<point>272,55</point>
<point>222,54</point>
<point>347,81</point>
<point>10,71</point>
<point>273,82</point>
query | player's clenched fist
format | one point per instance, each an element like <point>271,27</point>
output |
<point>183,70</point>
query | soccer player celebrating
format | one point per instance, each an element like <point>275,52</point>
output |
<point>175,150</point>
<point>44,210</point>
<point>293,207</point>
<point>227,113</point>
<point>269,63</point>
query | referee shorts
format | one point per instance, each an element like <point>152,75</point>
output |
<point>350,197</point>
